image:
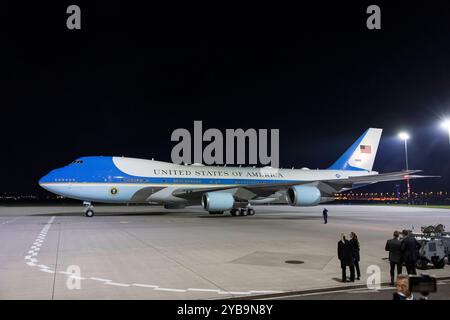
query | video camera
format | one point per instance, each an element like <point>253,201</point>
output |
<point>424,284</point>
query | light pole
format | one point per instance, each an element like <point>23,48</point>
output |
<point>405,137</point>
<point>446,125</point>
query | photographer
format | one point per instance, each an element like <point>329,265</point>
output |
<point>403,292</point>
<point>406,285</point>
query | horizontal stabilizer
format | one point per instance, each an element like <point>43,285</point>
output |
<point>383,177</point>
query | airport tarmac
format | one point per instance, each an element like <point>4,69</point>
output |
<point>147,252</point>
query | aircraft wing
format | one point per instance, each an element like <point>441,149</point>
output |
<point>383,177</point>
<point>327,187</point>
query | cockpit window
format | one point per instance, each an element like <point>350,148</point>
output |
<point>78,161</point>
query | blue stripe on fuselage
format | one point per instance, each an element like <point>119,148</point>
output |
<point>103,170</point>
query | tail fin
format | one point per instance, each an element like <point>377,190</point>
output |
<point>361,154</point>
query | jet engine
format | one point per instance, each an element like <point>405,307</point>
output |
<point>303,196</point>
<point>217,201</point>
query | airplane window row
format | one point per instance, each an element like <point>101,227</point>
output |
<point>186,181</point>
<point>64,180</point>
<point>78,161</point>
<point>134,180</point>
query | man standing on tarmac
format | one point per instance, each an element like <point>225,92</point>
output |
<point>395,255</point>
<point>410,250</point>
<point>345,255</point>
<point>325,215</point>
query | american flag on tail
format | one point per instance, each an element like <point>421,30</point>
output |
<point>365,149</point>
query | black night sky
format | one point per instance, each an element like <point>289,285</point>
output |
<point>134,73</point>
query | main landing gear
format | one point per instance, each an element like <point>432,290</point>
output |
<point>88,209</point>
<point>242,212</point>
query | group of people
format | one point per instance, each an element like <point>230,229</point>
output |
<point>405,250</point>
<point>402,250</point>
<point>348,254</point>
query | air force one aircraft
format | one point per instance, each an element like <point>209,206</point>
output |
<point>217,189</point>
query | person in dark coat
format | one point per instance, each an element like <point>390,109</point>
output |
<point>325,215</point>
<point>394,246</point>
<point>345,255</point>
<point>410,251</point>
<point>355,250</point>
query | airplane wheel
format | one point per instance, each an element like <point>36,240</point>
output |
<point>251,212</point>
<point>422,264</point>
<point>234,212</point>
<point>89,213</point>
<point>439,264</point>
<point>243,212</point>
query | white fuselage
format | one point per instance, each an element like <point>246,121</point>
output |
<point>124,180</point>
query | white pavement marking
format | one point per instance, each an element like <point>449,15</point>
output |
<point>46,270</point>
<point>145,285</point>
<point>100,279</point>
<point>235,292</point>
<point>171,290</point>
<point>65,272</point>
<point>204,290</point>
<point>76,277</point>
<point>34,252</point>
<point>118,284</point>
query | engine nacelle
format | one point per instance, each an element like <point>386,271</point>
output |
<point>217,201</point>
<point>303,196</point>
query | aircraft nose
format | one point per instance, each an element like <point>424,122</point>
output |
<point>47,178</point>
<point>43,180</point>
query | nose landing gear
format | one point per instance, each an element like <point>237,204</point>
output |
<point>88,209</point>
